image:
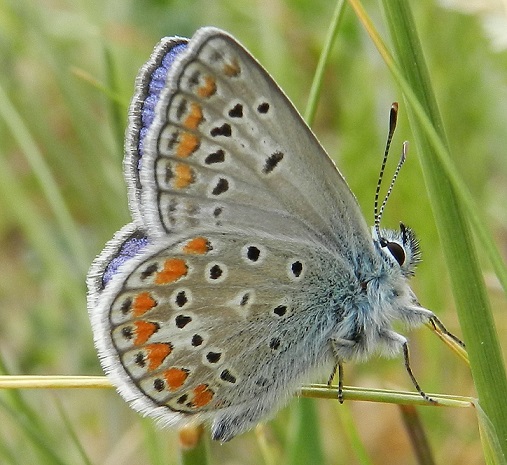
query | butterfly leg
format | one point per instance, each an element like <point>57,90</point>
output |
<point>393,342</point>
<point>338,366</point>
<point>333,374</point>
<point>340,382</point>
<point>338,345</point>
<point>412,377</point>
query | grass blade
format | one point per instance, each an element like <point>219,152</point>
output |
<point>465,274</point>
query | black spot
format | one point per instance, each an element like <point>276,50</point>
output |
<point>253,253</point>
<point>216,56</point>
<point>127,332</point>
<point>215,157</point>
<point>226,375</point>
<point>244,299</point>
<point>263,107</point>
<point>158,384</point>
<point>182,399</point>
<point>125,306</point>
<point>173,140</point>
<point>217,212</point>
<point>297,268</point>
<point>181,299</point>
<point>281,310</point>
<point>182,321</point>
<point>224,130</point>
<point>213,357</point>
<point>168,174</point>
<point>221,187</point>
<point>274,343</point>
<point>140,360</point>
<point>148,271</point>
<point>197,340</point>
<point>181,109</point>
<point>193,80</point>
<point>215,272</point>
<point>271,162</point>
<point>173,205</point>
<point>237,111</point>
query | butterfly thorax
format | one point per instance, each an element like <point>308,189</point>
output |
<point>380,295</point>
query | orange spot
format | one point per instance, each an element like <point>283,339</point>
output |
<point>157,354</point>
<point>174,269</point>
<point>142,303</point>
<point>208,88</point>
<point>175,377</point>
<point>194,118</point>
<point>232,68</point>
<point>202,395</point>
<point>188,144</point>
<point>144,330</point>
<point>184,176</point>
<point>198,245</point>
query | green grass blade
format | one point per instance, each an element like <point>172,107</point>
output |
<point>35,434</point>
<point>493,451</point>
<point>313,98</point>
<point>116,109</point>
<point>352,434</point>
<point>71,430</point>
<point>43,173</point>
<point>305,441</point>
<point>465,274</point>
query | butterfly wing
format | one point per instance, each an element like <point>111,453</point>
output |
<point>218,326</point>
<point>212,303</point>
<point>127,242</point>
<point>150,82</point>
<point>228,148</point>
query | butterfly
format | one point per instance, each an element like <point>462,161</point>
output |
<point>248,268</point>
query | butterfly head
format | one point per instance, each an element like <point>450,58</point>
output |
<point>400,248</point>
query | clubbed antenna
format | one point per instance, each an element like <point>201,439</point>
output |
<point>393,118</point>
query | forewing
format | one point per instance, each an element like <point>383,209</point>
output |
<point>228,148</point>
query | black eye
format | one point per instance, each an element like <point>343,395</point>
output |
<point>397,252</point>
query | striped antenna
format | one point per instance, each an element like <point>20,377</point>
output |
<point>393,117</point>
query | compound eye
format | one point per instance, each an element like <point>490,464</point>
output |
<point>397,252</point>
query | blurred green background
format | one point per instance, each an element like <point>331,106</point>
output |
<point>67,74</point>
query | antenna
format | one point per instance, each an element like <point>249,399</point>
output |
<point>403,157</point>
<point>393,117</point>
